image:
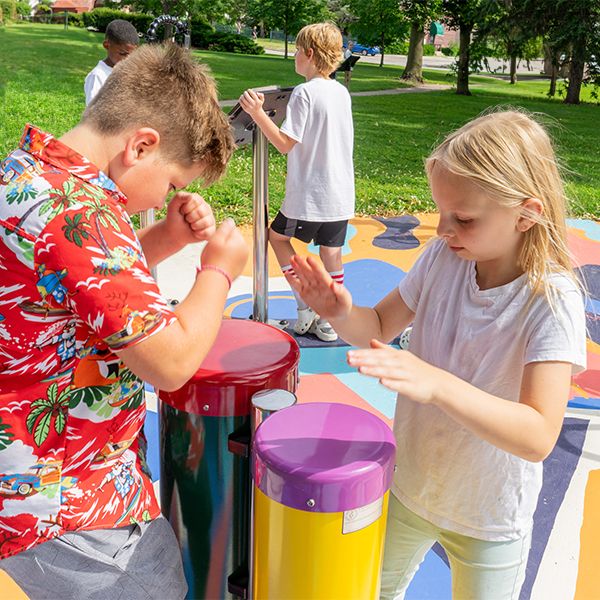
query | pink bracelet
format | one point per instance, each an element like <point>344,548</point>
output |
<point>217,269</point>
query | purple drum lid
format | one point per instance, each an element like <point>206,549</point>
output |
<point>324,457</point>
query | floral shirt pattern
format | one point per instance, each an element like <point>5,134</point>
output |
<point>74,287</point>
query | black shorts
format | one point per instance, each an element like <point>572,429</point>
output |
<point>331,234</point>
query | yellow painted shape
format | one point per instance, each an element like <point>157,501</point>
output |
<point>361,245</point>
<point>10,590</point>
<point>588,576</point>
<point>300,554</point>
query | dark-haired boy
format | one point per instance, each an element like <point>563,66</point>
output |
<point>120,40</point>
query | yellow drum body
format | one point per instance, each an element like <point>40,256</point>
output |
<point>322,474</point>
<point>301,555</point>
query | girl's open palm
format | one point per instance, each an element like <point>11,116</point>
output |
<point>398,370</point>
<point>326,297</point>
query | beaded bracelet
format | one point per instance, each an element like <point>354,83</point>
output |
<point>217,269</point>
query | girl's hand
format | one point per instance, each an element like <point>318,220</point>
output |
<point>398,370</point>
<point>328,298</point>
<point>252,102</point>
<point>189,219</point>
<point>226,249</point>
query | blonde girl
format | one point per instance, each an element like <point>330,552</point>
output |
<point>498,329</point>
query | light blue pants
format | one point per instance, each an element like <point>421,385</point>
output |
<point>480,570</point>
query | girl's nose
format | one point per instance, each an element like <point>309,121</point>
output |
<point>443,228</point>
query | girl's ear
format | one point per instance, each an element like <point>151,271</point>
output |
<point>531,209</point>
<point>141,144</point>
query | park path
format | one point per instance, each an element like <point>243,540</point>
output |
<point>427,87</point>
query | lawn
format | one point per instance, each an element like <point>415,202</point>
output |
<point>41,81</point>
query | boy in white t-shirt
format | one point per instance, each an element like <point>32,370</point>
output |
<point>120,40</point>
<point>318,136</point>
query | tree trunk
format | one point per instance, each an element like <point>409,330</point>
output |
<point>414,61</point>
<point>576,71</point>
<point>513,69</point>
<point>462,76</point>
<point>553,78</point>
<point>382,46</point>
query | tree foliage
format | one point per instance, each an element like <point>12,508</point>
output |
<point>378,22</point>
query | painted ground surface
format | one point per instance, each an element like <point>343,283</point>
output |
<point>565,554</point>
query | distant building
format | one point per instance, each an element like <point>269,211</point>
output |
<point>73,6</point>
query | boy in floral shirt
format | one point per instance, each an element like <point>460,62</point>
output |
<point>83,324</point>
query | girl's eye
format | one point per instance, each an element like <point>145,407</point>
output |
<point>464,221</point>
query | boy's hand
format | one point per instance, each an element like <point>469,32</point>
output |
<point>189,218</point>
<point>328,298</point>
<point>252,102</point>
<point>398,370</point>
<point>226,249</point>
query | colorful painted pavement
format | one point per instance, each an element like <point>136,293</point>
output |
<point>563,562</point>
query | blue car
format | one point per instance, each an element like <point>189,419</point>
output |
<point>364,50</point>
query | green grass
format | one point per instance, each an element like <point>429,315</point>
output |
<point>41,81</point>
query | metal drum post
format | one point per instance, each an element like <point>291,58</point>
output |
<point>146,219</point>
<point>260,201</point>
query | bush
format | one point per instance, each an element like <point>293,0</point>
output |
<point>428,50</point>
<point>23,8</point>
<point>201,32</point>
<point>397,48</point>
<point>232,42</point>
<point>8,8</point>
<point>99,18</point>
<point>451,50</point>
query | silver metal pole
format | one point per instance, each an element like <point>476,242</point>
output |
<point>264,404</point>
<point>146,219</point>
<point>260,201</point>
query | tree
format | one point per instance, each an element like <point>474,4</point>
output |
<point>464,16</point>
<point>341,14</point>
<point>418,13</point>
<point>287,15</point>
<point>378,22</point>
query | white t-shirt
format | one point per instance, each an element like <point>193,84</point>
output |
<point>320,172</point>
<point>95,80</point>
<point>446,474</point>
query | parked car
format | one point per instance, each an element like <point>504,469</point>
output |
<point>364,50</point>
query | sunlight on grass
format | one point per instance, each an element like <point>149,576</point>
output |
<point>41,81</point>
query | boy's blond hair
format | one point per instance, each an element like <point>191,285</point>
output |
<point>510,156</point>
<point>162,87</point>
<point>325,40</point>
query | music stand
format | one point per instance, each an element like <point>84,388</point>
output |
<point>245,131</point>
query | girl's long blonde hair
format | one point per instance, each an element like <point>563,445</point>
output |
<point>510,156</point>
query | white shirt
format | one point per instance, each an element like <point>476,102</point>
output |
<point>446,474</point>
<point>320,173</point>
<point>95,80</point>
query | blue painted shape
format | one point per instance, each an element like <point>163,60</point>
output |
<point>372,391</point>
<point>590,276</point>
<point>591,228</point>
<point>325,360</point>
<point>592,306</point>
<point>153,454</point>
<point>350,233</point>
<point>398,234</point>
<point>432,581</point>
<point>592,322</point>
<point>370,280</point>
<point>590,403</point>
<point>558,471</point>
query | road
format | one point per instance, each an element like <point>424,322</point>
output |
<point>442,62</point>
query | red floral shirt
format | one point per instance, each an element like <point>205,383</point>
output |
<point>74,286</point>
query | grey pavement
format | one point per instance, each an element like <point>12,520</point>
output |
<point>442,62</point>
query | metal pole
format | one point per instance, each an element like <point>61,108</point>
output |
<point>260,201</point>
<point>147,219</point>
<point>264,404</point>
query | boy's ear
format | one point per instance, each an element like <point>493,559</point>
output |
<point>140,144</point>
<point>105,44</point>
<point>531,209</point>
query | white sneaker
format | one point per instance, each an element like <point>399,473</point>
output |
<point>323,330</point>
<point>306,317</point>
